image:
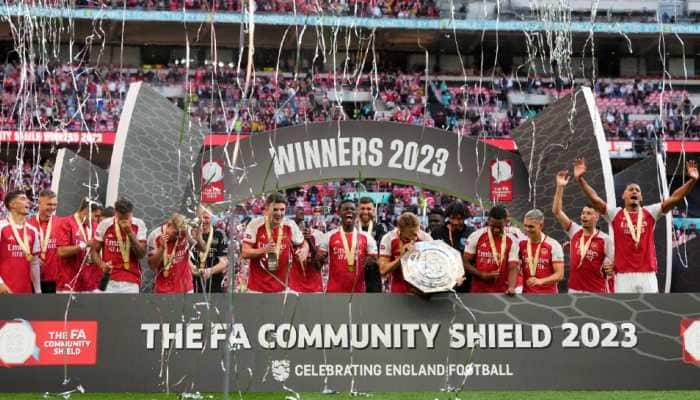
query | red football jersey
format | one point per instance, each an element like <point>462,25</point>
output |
<point>15,270</point>
<point>110,250</point>
<point>391,246</point>
<point>550,253</point>
<point>67,278</point>
<point>587,275</point>
<point>307,279</point>
<point>179,279</point>
<point>479,247</point>
<point>260,278</point>
<point>50,263</point>
<point>340,278</point>
<point>630,256</point>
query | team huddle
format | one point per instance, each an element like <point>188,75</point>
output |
<point>91,252</point>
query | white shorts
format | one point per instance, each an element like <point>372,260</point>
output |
<point>122,287</point>
<point>636,282</point>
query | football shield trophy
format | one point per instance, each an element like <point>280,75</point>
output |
<point>432,267</point>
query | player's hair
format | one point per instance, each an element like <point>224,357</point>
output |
<point>457,208</point>
<point>366,199</point>
<point>407,220</point>
<point>204,209</point>
<point>590,205</point>
<point>86,202</point>
<point>275,198</point>
<point>436,210</point>
<point>108,212</point>
<point>498,212</point>
<point>535,214</point>
<point>178,220</point>
<point>47,193</point>
<point>123,206</point>
<point>346,200</point>
<point>11,196</point>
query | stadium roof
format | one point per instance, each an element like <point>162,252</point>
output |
<point>349,21</point>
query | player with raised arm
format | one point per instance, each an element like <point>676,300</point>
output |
<point>633,229</point>
<point>591,252</point>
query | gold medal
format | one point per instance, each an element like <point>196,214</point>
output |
<point>23,242</point>
<point>497,256</point>
<point>203,255</point>
<point>124,246</point>
<point>44,236</point>
<point>532,263</point>
<point>583,246</point>
<point>168,258</point>
<point>349,249</point>
<point>635,230</point>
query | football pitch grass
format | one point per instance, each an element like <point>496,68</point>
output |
<point>465,395</point>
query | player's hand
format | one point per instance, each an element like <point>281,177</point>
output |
<point>563,178</point>
<point>406,248</point>
<point>460,280</point>
<point>692,168</point>
<point>164,238</point>
<point>106,267</point>
<point>510,291</point>
<point>268,248</point>
<point>125,224</point>
<point>302,253</point>
<point>579,168</point>
<point>533,281</point>
<point>307,233</point>
<point>609,269</point>
<point>489,276</point>
<point>4,289</point>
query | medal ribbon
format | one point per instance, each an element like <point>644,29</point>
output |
<point>635,231</point>
<point>500,256</point>
<point>280,235</point>
<point>532,264</point>
<point>22,242</point>
<point>168,258</point>
<point>44,236</point>
<point>85,232</point>
<point>124,246</point>
<point>349,249</point>
<point>583,247</point>
<point>203,256</point>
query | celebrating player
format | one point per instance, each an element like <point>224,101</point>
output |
<point>48,226</point>
<point>633,229</point>
<point>168,257</point>
<point>77,273</point>
<point>541,257</point>
<point>455,233</point>
<point>209,254</point>
<point>123,241</point>
<point>349,250</point>
<point>591,251</point>
<point>394,244</point>
<point>268,243</point>
<point>490,255</point>
<point>366,222</point>
<point>19,248</point>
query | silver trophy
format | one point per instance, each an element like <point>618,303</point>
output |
<point>432,267</point>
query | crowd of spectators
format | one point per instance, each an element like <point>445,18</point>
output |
<point>32,178</point>
<point>363,8</point>
<point>80,99</point>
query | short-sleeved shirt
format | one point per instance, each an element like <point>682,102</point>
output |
<point>478,246</point>
<point>219,248</point>
<point>341,279</point>
<point>179,279</point>
<point>306,278</point>
<point>550,253</point>
<point>630,256</point>
<point>106,235</point>
<point>70,235</point>
<point>15,270</point>
<point>390,246</point>
<point>260,278</point>
<point>587,275</point>
<point>49,263</point>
